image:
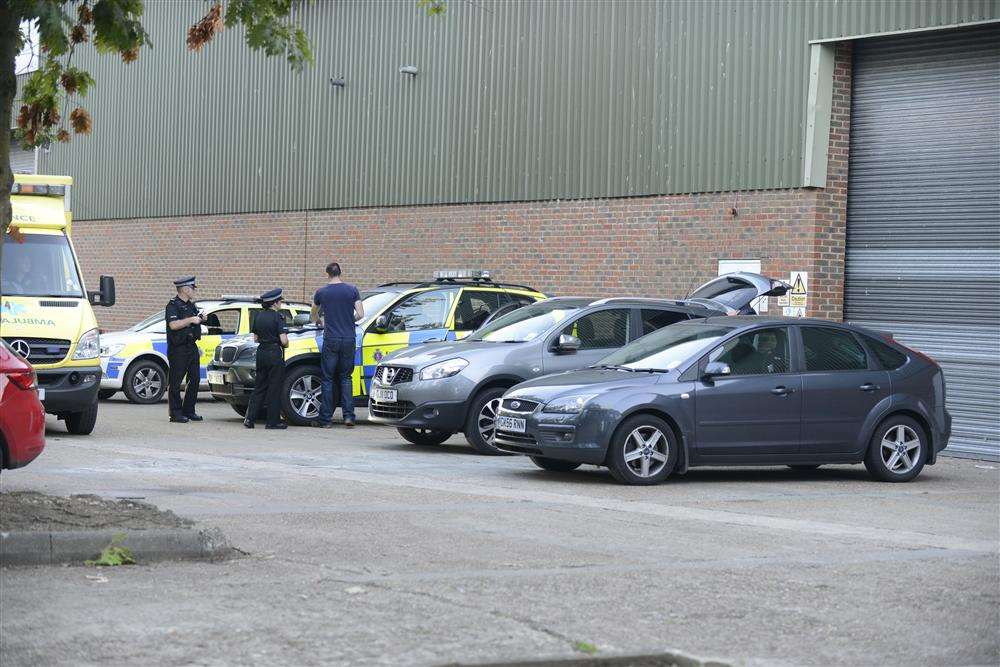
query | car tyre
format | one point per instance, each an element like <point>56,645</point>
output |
<point>105,394</point>
<point>424,436</point>
<point>82,423</point>
<point>553,465</point>
<point>481,422</point>
<point>145,382</point>
<point>302,388</point>
<point>898,450</point>
<point>643,451</point>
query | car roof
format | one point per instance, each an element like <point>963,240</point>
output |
<point>232,302</point>
<point>741,321</point>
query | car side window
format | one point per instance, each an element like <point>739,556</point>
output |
<point>601,329</point>
<point>423,310</point>
<point>223,322</point>
<point>657,319</point>
<point>888,356</point>
<point>832,350</point>
<point>474,307</point>
<point>757,352</point>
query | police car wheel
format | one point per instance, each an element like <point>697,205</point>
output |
<point>480,425</point>
<point>424,436</point>
<point>145,382</point>
<point>300,397</point>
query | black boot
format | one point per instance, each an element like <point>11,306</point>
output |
<point>248,423</point>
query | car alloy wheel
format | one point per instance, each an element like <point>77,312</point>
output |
<point>305,395</point>
<point>147,383</point>
<point>900,449</point>
<point>487,421</point>
<point>646,451</point>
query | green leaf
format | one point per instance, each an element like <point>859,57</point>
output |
<point>113,555</point>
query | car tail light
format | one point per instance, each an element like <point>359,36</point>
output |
<point>23,378</point>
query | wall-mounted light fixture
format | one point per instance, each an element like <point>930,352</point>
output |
<point>408,69</point>
<point>338,82</point>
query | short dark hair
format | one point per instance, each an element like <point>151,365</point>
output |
<point>333,269</point>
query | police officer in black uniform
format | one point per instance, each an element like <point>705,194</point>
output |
<point>183,331</point>
<point>271,332</point>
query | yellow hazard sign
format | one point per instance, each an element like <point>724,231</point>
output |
<point>798,296</point>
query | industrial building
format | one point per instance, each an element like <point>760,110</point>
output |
<point>581,147</point>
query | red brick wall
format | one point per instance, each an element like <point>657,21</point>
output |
<point>648,246</point>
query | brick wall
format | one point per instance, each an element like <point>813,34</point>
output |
<point>648,246</point>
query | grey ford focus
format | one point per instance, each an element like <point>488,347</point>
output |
<point>736,391</point>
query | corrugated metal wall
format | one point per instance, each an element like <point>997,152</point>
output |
<point>923,212</point>
<point>529,100</point>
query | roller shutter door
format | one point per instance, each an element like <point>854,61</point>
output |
<point>923,212</point>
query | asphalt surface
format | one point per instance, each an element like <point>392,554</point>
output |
<point>362,549</point>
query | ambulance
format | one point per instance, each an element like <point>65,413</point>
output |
<point>134,361</point>
<point>45,309</point>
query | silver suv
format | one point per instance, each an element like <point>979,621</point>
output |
<point>430,392</point>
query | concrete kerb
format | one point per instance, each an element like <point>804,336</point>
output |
<point>668,657</point>
<point>147,546</point>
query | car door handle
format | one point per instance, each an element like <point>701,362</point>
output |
<point>868,386</point>
<point>782,391</point>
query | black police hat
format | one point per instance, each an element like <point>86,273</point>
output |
<point>272,296</point>
<point>185,281</point>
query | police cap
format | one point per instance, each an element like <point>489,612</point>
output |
<point>271,296</point>
<point>185,281</point>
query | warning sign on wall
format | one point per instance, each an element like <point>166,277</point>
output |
<point>799,280</point>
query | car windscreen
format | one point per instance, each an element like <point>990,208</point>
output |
<point>374,302</point>
<point>667,348</point>
<point>524,324</point>
<point>39,265</point>
<point>158,316</point>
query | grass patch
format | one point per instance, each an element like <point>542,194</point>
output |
<point>114,554</point>
<point>585,647</point>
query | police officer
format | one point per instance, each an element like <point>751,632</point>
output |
<point>183,331</point>
<point>270,331</point>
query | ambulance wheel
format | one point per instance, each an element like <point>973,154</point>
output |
<point>82,423</point>
<point>424,436</point>
<point>145,382</point>
<point>105,394</point>
<point>300,397</point>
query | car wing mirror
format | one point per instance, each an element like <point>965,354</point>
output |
<point>716,369</point>
<point>381,325</point>
<point>567,344</point>
<point>301,320</point>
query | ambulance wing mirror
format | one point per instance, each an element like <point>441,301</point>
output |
<point>104,296</point>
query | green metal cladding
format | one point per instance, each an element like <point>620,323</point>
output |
<point>512,101</point>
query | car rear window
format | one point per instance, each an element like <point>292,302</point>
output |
<point>888,356</point>
<point>832,350</point>
<point>653,320</point>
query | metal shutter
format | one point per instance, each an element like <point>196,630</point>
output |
<point>21,161</point>
<point>923,212</point>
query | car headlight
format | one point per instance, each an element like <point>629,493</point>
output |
<point>568,404</point>
<point>89,346</point>
<point>444,369</point>
<point>111,350</point>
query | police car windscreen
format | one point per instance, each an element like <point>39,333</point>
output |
<point>39,265</point>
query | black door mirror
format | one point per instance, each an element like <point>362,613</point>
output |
<point>105,296</point>
<point>716,369</point>
<point>567,344</point>
<point>381,325</point>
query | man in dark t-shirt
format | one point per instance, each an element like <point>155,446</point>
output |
<point>340,305</point>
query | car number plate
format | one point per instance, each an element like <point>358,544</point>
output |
<point>384,395</point>
<point>41,394</point>
<point>512,424</point>
<point>217,377</point>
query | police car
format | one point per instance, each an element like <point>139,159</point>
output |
<point>134,361</point>
<point>397,315</point>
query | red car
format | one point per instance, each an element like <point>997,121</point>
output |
<point>22,417</point>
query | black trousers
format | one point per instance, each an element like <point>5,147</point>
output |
<point>183,361</point>
<point>269,381</point>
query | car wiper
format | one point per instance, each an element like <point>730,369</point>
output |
<point>652,370</point>
<point>616,368</point>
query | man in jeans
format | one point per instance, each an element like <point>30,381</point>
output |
<point>340,304</point>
